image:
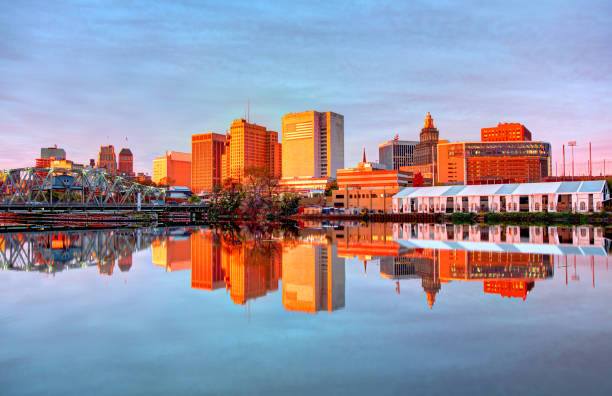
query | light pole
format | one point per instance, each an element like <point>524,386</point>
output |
<point>572,144</point>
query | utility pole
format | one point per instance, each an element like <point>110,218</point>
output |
<point>564,160</point>
<point>590,162</point>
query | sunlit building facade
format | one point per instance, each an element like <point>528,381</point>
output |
<point>250,146</point>
<point>313,144</point>
<point>493,162</point>
<point>425,150</point>
<point>207,151</point>
<point>506,132</point>
<point>126,162</point>
<point>173,168</point>
<point>172,253</point>
<point>107,159</point>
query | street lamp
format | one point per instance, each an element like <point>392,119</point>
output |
<point>572,144</point>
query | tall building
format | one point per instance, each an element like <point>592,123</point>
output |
<point>52,153</point>
<point>107,159</point>
<point>313,144</point>
<point>207,151</point>
<point>493,162</point>
<point>173,168</point>
<point>126,162</point>
<point>396,153</point>
<point>249,146</point>
<point>424,152</point>
<point>507,132</point>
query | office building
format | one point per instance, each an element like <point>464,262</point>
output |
<point>126,162</point>
<point>493,162</point>
<point>396,153</point>
<point>173,169</point>
<point>107,159</point>
<point>507,132</point>
<point>313,144</point>
<point>207,151</point>
<point>249,146</point>
<point>52,153</point>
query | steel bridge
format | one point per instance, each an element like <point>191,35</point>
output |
<point>55,251</point>
<point>82,188</point>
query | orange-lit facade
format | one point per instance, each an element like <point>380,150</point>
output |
<point>313,144</point>
<point>207,151</point>
<point>368,187</point>
<point>173,168</point>
<point>493,162</point>
<point>126,162</point>
<point>506,132</point>
<point>249,146</point>
<point>107,159</point>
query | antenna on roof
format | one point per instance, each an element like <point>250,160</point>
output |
<point>248,109</point>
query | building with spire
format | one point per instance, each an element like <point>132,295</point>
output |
<point>425,150</point>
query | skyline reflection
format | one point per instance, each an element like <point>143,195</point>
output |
<point>311,266</point>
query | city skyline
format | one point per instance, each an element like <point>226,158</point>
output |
<point>160,74</point>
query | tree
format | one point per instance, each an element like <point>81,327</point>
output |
<point>417,181</point>
<point>194,199</point>
<point>331,186</point>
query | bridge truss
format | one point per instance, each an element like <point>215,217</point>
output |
<point>66,187</point>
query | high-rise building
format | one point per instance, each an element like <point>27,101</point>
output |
<point>207,151</point>
<point>425,151</point>
<point>107,159</point>
<point>249,146</point>
<point>173,168</point>
<point>53,153</point>
<point>313,144</point>
<point>507,132</point>
<point>126,162</point>
<point>396,153</point>
<point>493,162</point>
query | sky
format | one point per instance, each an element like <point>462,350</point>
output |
<point>81,74</point>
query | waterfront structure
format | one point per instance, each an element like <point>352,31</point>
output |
<point>425,150</point>
<point>126,162</point>
<point>506,132</point>
<point>207,151</point>
<point>583,196</point>
<point>173,168</point>
<point>368,187</point>
<point>312,144</point>
<point>250,146</point>
<point>396,153</point>
<point>493,162</point>
<point>313,278</point>
<point>107,159</point>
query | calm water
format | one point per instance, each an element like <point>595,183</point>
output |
<point>370,309</point>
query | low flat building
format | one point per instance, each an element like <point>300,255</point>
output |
<point>305,185</point>
<point>580,196</point>
<point>368,187</point>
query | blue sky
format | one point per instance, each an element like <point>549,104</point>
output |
<point>81,73</point>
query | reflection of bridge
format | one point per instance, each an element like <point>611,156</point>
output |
<point>82,188</point>
<point>55,251</point>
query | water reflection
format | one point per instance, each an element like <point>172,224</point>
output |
<point>507,260</point>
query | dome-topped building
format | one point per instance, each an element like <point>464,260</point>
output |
<point>425,151</point>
